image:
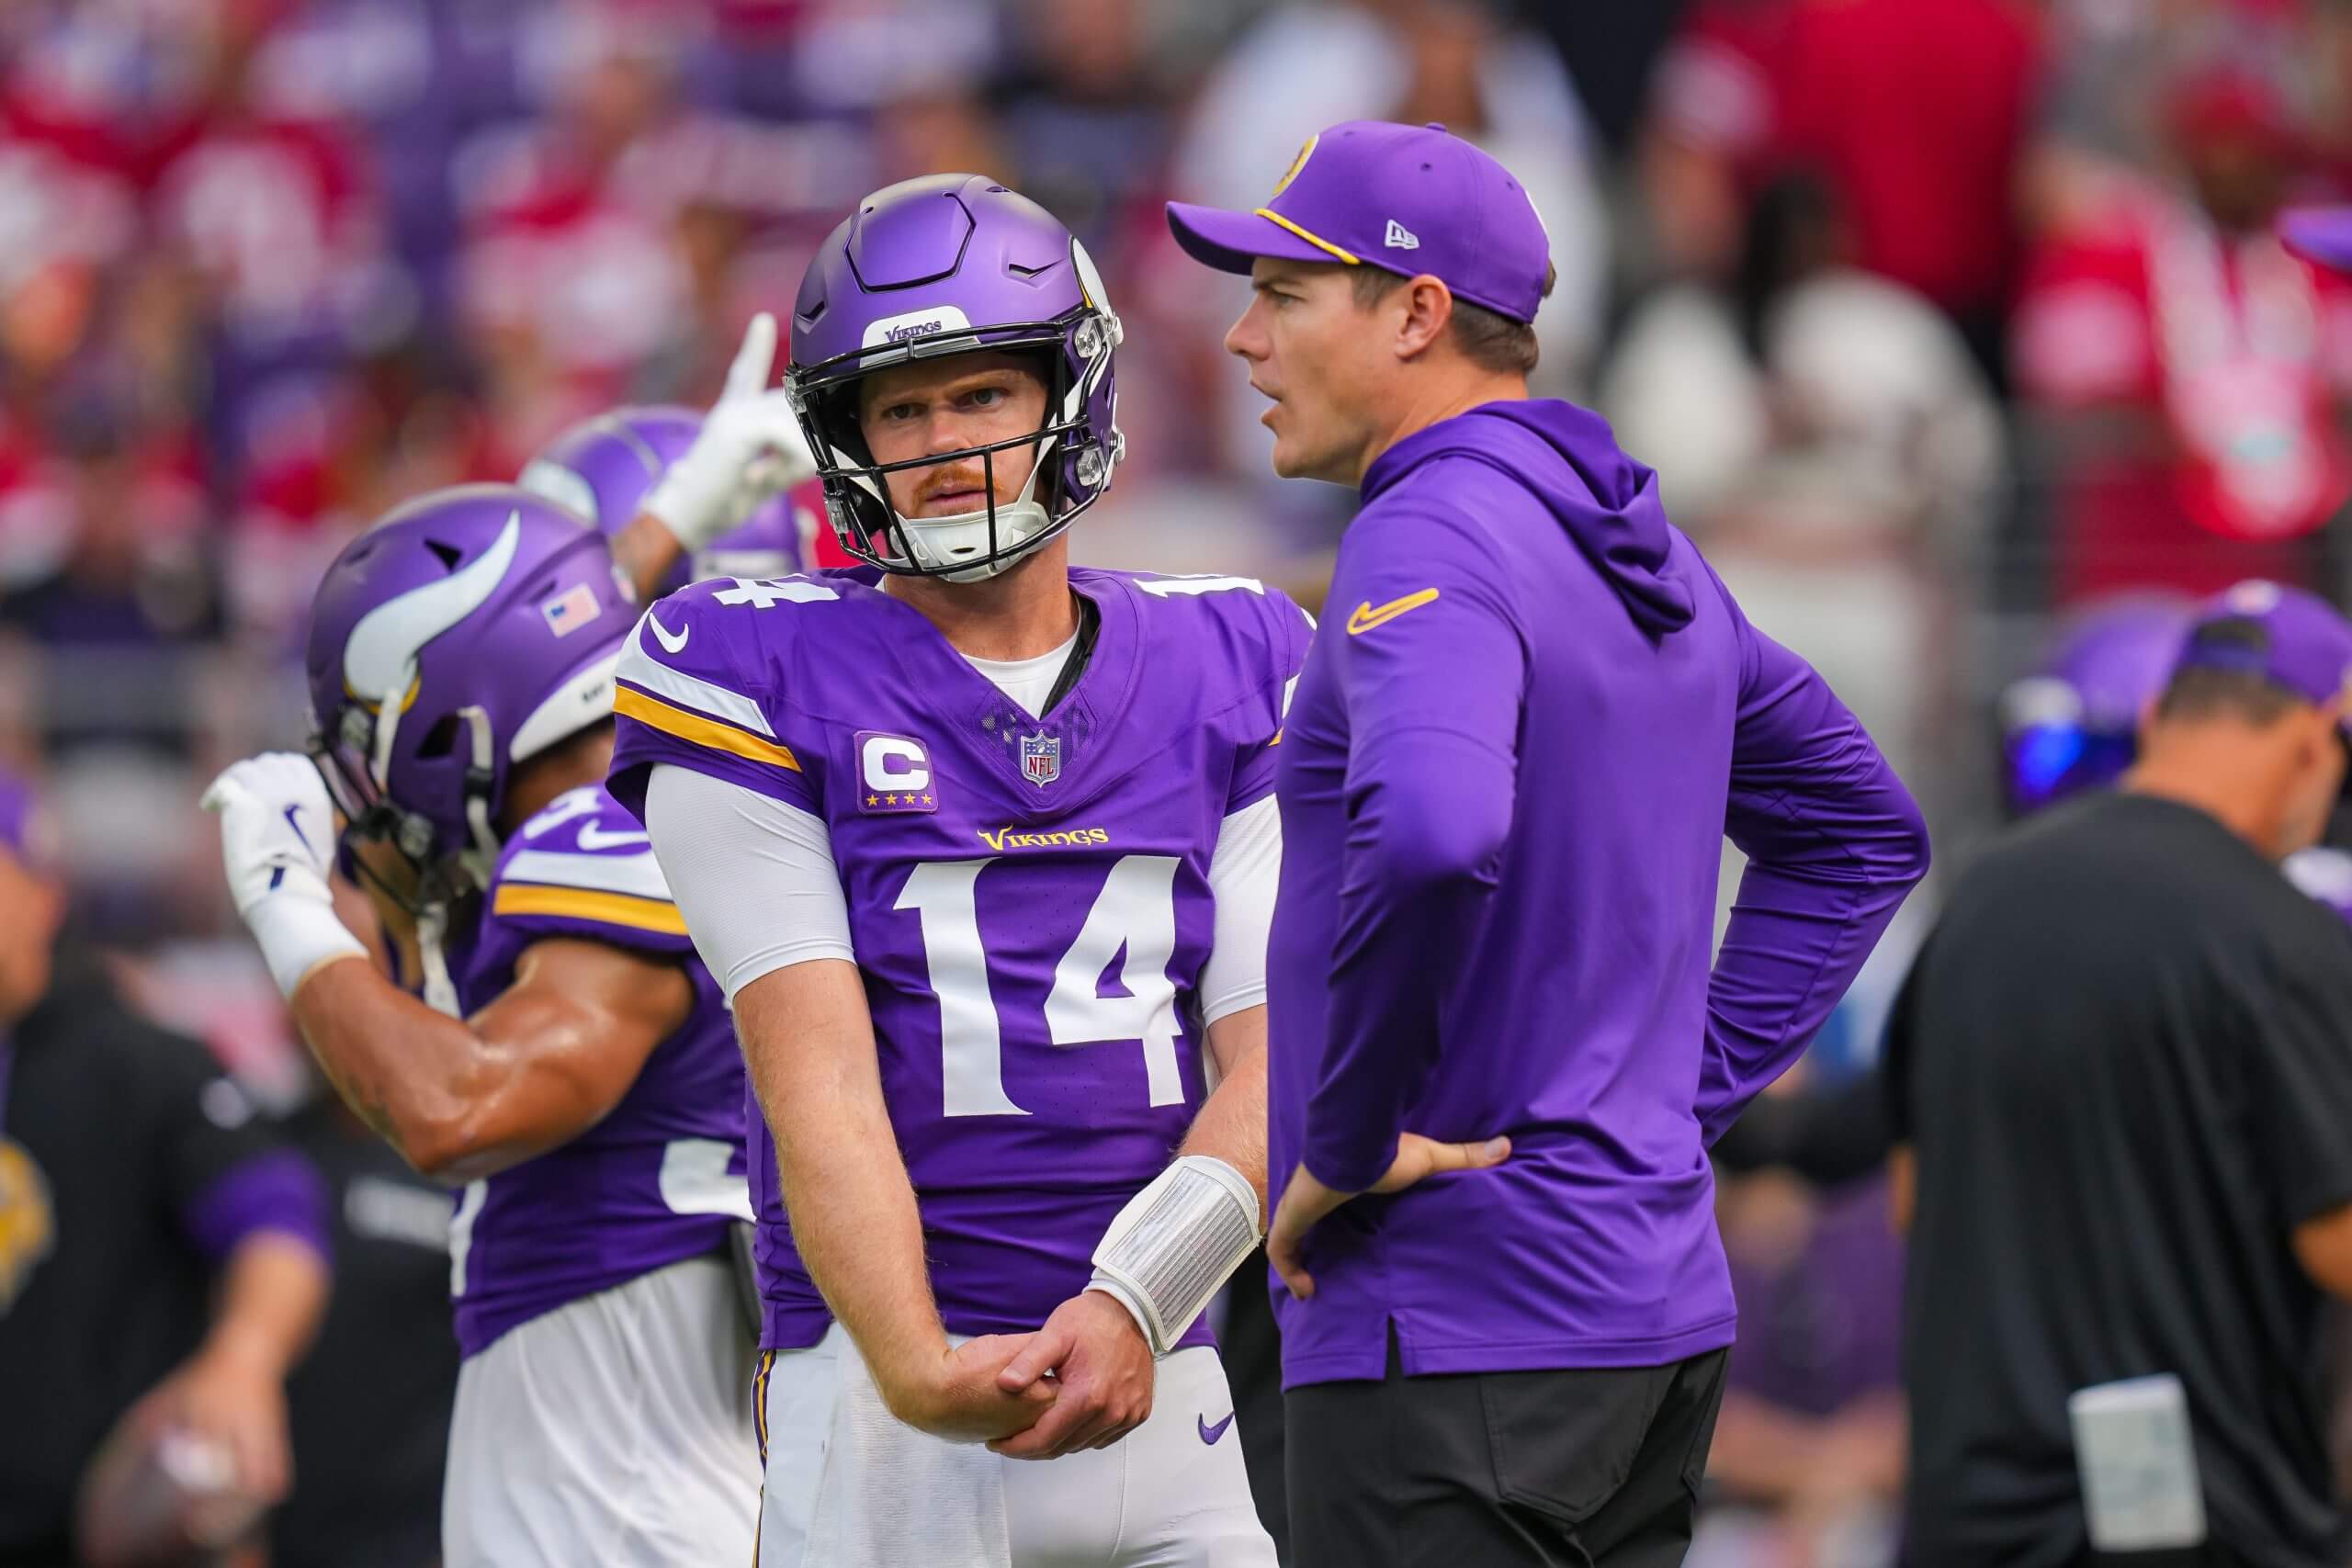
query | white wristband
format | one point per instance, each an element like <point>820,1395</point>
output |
<point>297,934</point>
<point>1175,1243</point>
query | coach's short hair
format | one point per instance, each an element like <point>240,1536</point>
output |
<point>2226,688</point>
<point>1486,338</point>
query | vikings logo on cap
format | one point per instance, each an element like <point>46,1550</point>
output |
<point>1306,151</point>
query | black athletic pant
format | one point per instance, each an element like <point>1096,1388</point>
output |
<point>1586,1469</point>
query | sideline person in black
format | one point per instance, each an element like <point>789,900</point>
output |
<point>163,1260</point>
<point>369,1406</point>
<point>2120,1075</point>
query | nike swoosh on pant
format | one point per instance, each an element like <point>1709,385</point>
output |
<point>1211,1434</point>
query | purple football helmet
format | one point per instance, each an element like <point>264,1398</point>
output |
<point>601,468</point>
<point>942,266</point>
<point>470,630</point>
<point>2074,724</point>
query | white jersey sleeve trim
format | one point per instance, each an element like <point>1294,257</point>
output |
<point>639,875</point>
<point>640,667</point>
<point>753,876</point>
<point>1244,870</point>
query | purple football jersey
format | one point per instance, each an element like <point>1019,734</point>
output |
<point>1028,899</point>
<point>658,1180</point>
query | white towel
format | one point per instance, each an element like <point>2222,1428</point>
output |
<point>893,1498</point>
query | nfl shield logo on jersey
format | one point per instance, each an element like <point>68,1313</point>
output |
<point>1041,758</point>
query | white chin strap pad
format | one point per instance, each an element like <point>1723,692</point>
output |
<point>937,542</point>
<point>1175,1243</point>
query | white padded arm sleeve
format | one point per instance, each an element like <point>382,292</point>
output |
<point>1244,869</point>
<point>754,877</point>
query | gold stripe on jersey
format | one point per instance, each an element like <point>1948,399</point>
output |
<point>584,904</point>
<point>701,731</point>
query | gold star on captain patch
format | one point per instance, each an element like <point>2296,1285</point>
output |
<point>927,800</point>
<point>872,800</point>
<point>889,800</point>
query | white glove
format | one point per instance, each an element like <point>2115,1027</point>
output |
<point>750,449</point>
<point>276,844</point>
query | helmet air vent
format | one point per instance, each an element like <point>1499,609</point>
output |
<point>440,740</point>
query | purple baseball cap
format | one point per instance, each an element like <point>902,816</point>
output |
<point>2295,640</point>
<point>2321,235</point>
<point>1408,198</point>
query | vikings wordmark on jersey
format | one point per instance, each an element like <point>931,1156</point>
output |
<point>658,1180</point>
<point>1028,898</point>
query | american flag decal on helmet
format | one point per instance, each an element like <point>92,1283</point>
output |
<point>571,611</point>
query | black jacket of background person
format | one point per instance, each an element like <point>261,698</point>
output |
<point>2124,1060</point>
<point>123,1125</point>
<point>368,1408</point>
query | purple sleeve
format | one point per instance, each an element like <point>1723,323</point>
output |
<point>1833,843</point>
<point>1431,783</point>
<point>279,1191</point>
<point>693,689</point>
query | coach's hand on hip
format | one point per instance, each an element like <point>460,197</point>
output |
<point>1307,1201</point>
<point>1103,1371</point>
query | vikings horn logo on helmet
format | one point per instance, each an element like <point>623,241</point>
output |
<point>383,647</point>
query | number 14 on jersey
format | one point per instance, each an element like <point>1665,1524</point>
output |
<point>1136,909</point>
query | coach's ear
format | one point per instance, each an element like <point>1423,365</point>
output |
<point>1429,307</point>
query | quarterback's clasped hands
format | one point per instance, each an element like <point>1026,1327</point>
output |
<point>1101,1379</point>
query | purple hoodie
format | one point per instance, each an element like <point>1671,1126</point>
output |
<point>1506,778</point>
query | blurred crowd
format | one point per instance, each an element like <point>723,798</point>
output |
<point>1940,320</point>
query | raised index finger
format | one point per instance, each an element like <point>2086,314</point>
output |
<point>749,374</point>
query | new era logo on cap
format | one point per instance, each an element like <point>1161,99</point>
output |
<point>1401,238</point>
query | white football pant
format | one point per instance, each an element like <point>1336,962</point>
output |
<point>616,1430</point>
<point>850,1486</point>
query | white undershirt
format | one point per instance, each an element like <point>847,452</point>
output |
<point>1028,681</point>
<point>707,834</point>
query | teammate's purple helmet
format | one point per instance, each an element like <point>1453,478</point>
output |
<point>470,630</point>
<point>601,469</point>
<point>2074,724</point>
<point>942,266</point>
